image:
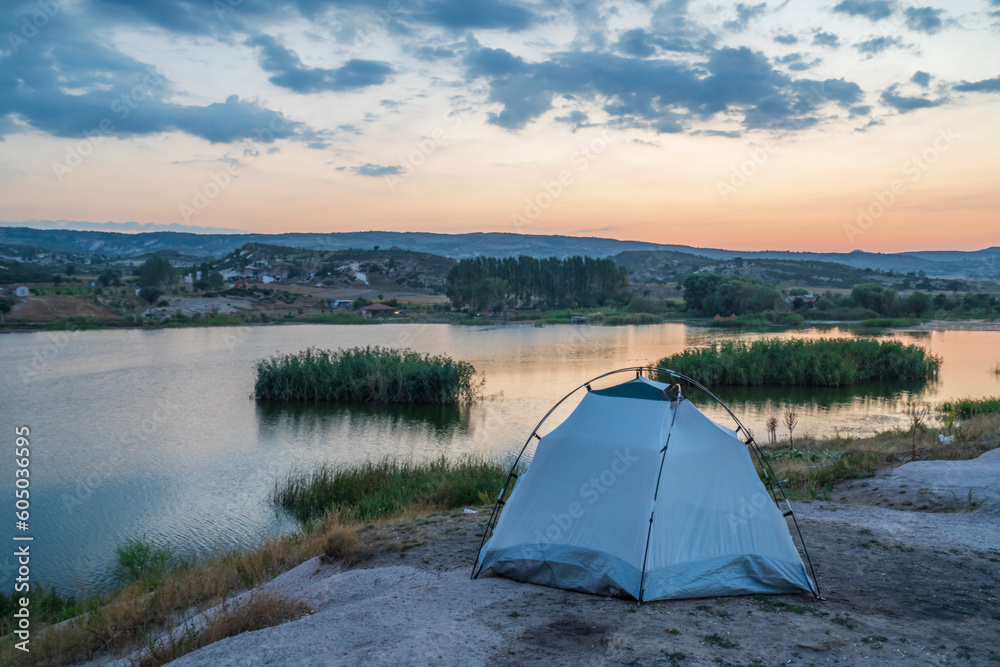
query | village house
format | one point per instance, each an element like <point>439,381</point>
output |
<point>377,310</point>
<point>20,290</point>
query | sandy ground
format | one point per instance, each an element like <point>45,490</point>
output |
<point>900,587</point>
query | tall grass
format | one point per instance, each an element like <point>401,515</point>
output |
<point>813,468</point>
<point>370,374</point>
<point>387,488</point>
<point>965,408</point>
<point>824,362</point>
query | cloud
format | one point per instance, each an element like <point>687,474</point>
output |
<point>984,86</point>
<point>877,45</point>
<point>786,39</point>
<point>821,38</point>
<point>577,119</point>
<point>744,14</point>
<point>660,95</point>
<point>369,169</point>
<point>872,9</point>
<point>924,19</point>
<point>797,62</point>
<point>433,53</point>
<point>486,14</point>
<point>905,104</point>
<point>922,79</point>
<point>289,72</point>
<point>675,31</point>
<point>860,110</point>
<point>637,43</point>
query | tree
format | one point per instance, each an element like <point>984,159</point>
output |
<point>108,279</point>
<point>874,297</point>
<point>791,419</point>
<point>772,428</point>
<point>215,280</point>
<point>156,272</point>
<point>5,307</point>
<point>150,294</point>
<point>919,303</point>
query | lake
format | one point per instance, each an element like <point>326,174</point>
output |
<point>153,433</point>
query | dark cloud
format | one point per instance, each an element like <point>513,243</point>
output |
<point>877,45</point>
<point>487,14</point>
<point>821,38</point>
<point>744,14</point>
<point>924,19</point>
<point>637,43</point>
<point>984,86</point>
<point>871,9</point>
<point>215,16</point>
<point>922,79</point>
<point>661,95</point>
<point>369,169</point>
<point>904,104</point>
<point>289,72</point>
<point>786,39</point>
<point>114,94</point>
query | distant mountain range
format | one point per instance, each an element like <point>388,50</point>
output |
<point>949,263</point>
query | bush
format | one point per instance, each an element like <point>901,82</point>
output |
<point>370,374</point>
<point>824,362</point>
<point>141,559</point>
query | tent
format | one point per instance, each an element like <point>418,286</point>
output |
<point>638,493</point>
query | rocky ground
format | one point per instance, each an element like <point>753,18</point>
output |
<point>899,587</point>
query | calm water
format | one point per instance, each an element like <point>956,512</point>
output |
<point>152,433</point>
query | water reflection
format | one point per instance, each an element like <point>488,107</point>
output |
<point>312,418</point>
<point>821,397</point>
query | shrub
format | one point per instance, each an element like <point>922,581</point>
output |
<point>824,362</point>
<point>370,374</point>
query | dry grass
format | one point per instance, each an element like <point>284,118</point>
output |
<point>343,545</point>
<point>258,611</point>
<point>814,466</point>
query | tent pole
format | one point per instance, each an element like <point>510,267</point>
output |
<point>656,493</point>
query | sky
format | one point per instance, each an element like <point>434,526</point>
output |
<point>795,125</point>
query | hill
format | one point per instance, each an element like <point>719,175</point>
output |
<point>967,264</point>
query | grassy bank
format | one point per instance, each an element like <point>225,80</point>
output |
<point>159,590</point>
<point>813,467</point>
<point>823,363</point>
<point>369,374</point>
<point>387,488</point>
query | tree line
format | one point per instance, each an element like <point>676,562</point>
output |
<point>529,282</point>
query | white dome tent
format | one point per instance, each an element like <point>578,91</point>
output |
<point>638,493</point>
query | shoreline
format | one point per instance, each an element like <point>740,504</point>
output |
<point>929,325</point>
